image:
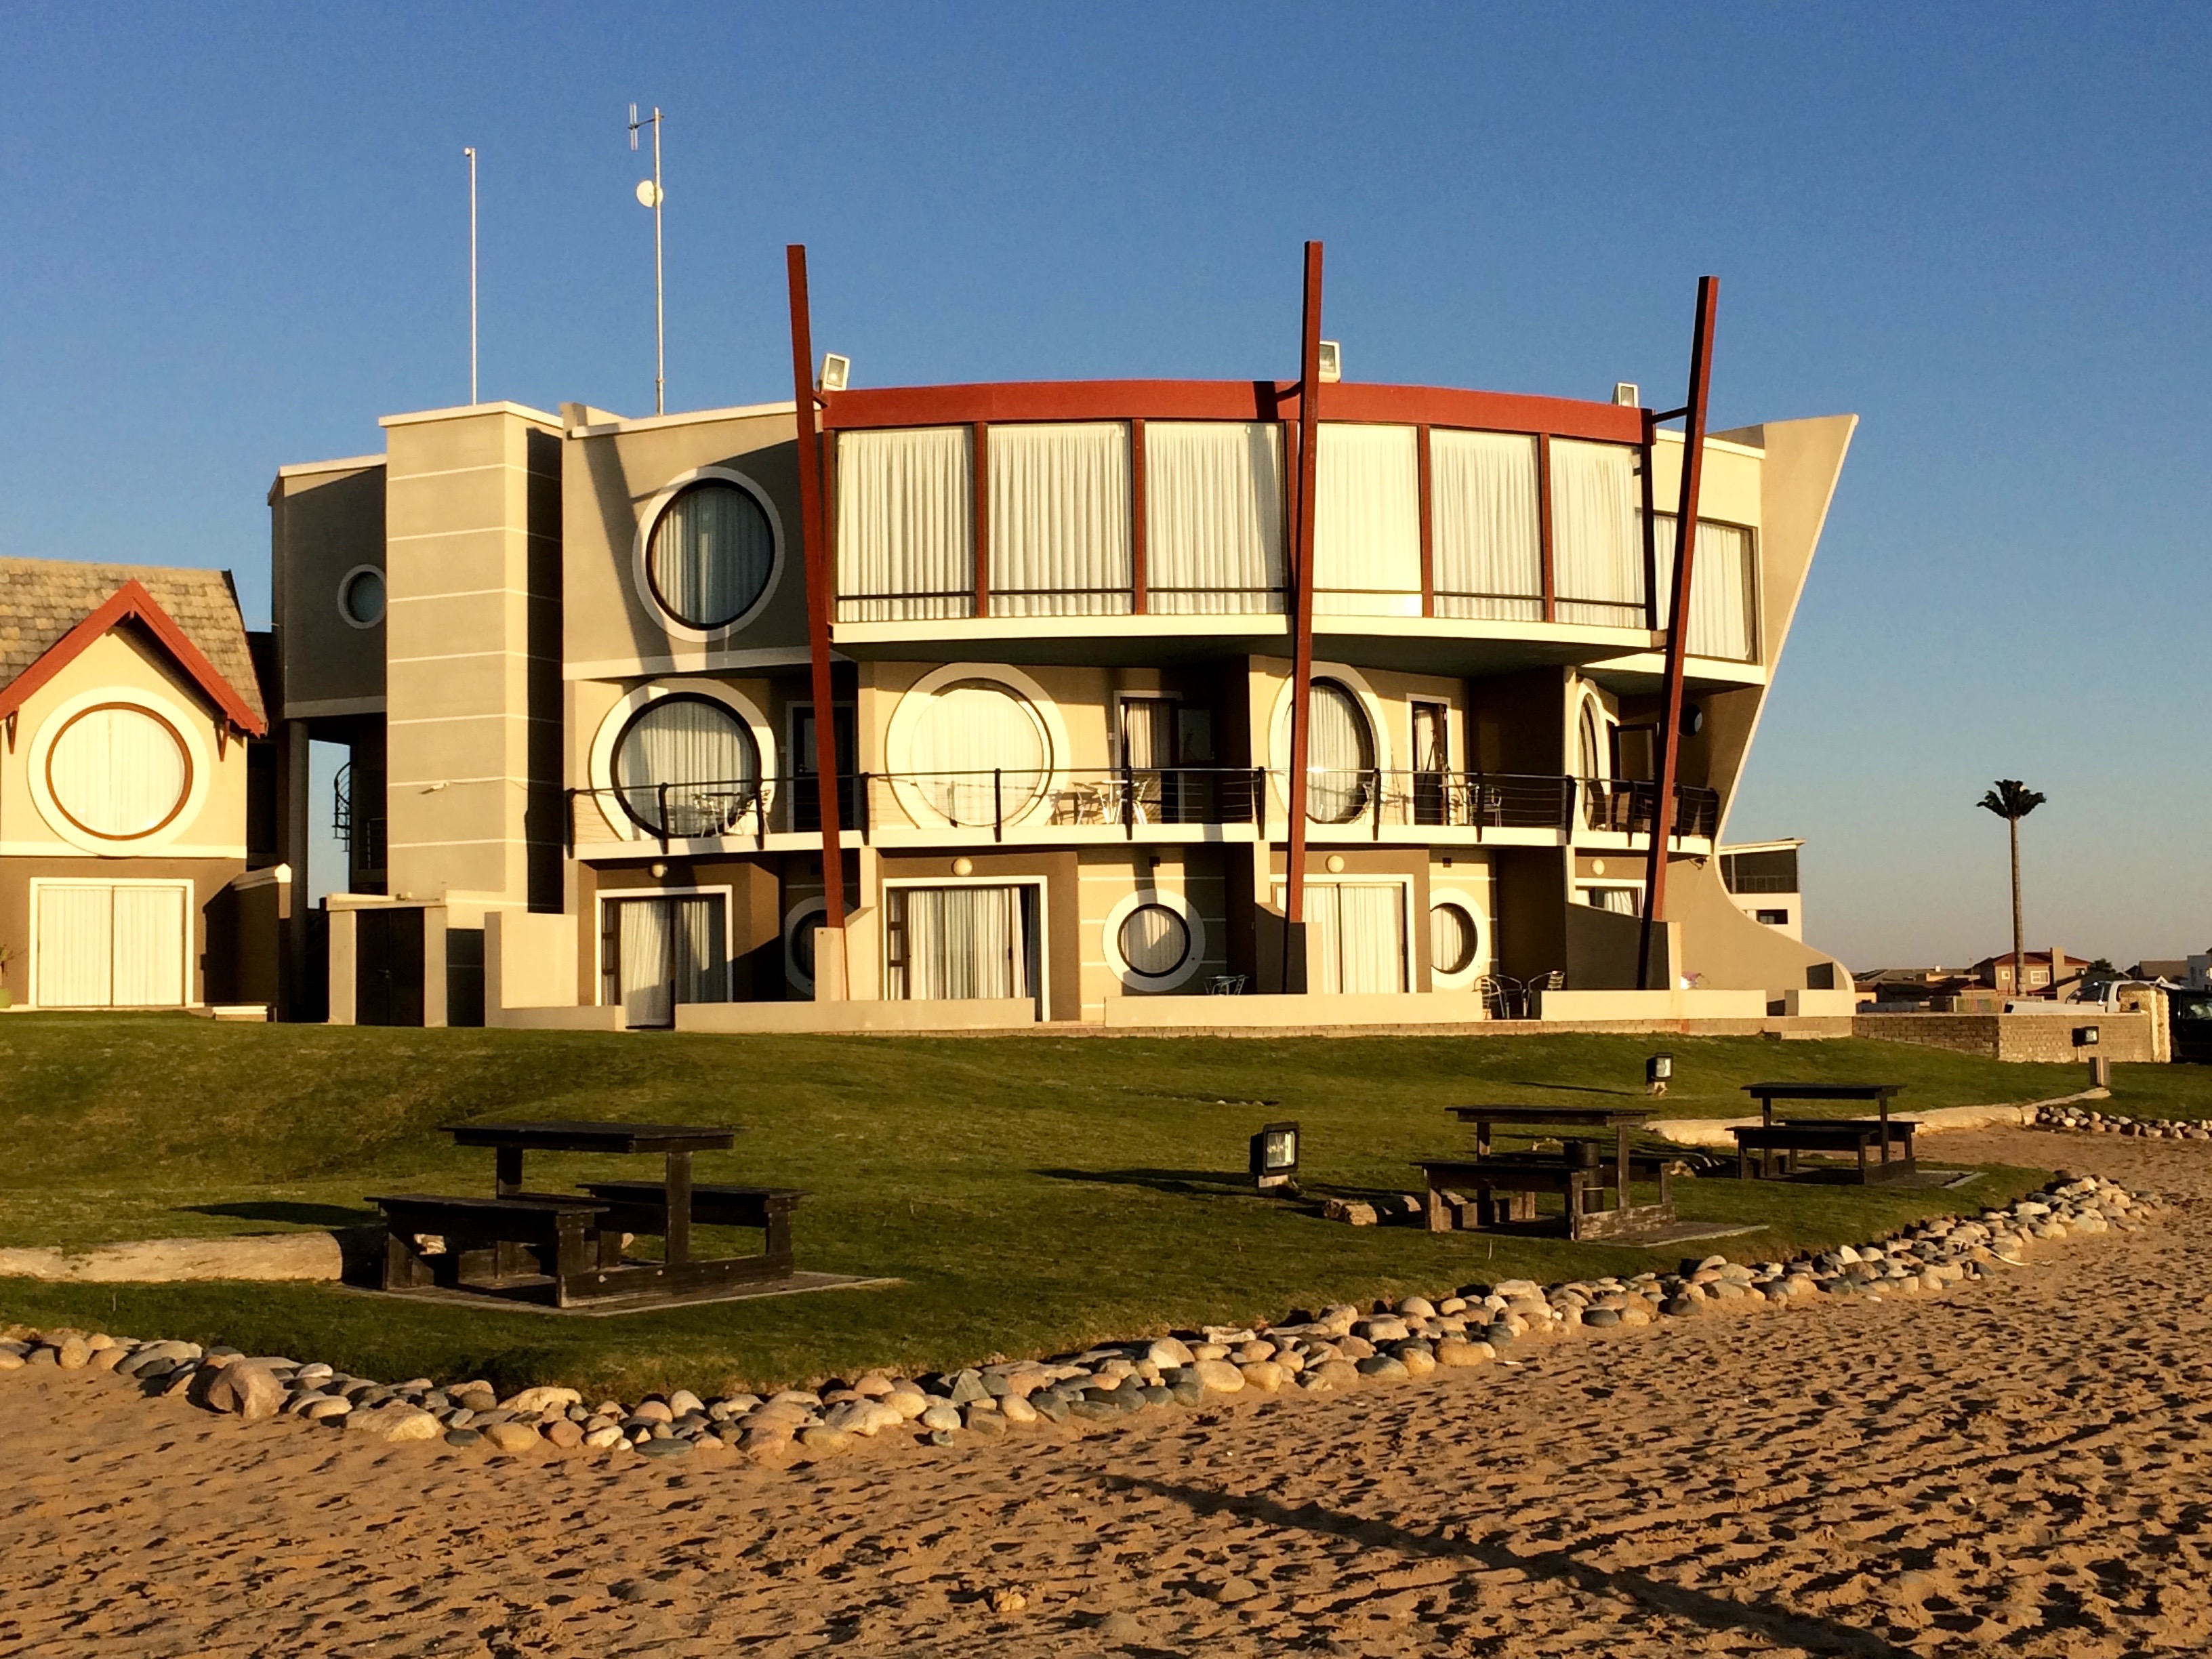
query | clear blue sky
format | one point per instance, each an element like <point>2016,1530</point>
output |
<point>230,238</point>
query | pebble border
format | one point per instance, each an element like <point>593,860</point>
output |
<point>2076,1120</point>
<point>1338,1348</point>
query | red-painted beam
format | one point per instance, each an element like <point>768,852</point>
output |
<point>819,563</point>
<point>1302,587</point>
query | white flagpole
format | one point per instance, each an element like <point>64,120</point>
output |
<point>470,153</point>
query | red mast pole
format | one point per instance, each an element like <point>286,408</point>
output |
<point>1301,569</point>
<point>816,561</point>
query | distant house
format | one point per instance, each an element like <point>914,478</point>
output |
<point>130,714</point>
<point>2195,972</point>
<point>1761,877</point>
<point>1897,990</point>
<point>2034,975</point>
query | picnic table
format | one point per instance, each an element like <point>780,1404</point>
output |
<point>567,1248</point>
<point>1793,1135</point>
<point>1583,1181</point>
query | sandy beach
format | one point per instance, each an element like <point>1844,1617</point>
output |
<point>2016,1465</point>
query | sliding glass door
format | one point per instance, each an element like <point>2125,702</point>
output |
<point>959,942</point>
<point>660,951</point>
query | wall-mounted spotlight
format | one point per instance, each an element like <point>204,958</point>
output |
<point>1332,361</point>
<point>1627,394</point>
<point>836,371</point>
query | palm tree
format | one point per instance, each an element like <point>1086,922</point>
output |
<point>2013,801</point>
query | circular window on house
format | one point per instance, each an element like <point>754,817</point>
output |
<point>979,753</point>
<point>1154,940</point>
<point>712,553</point>
<point>361,597</point>
<point>1339,755</point>
<point>1453,938</point>
<point>688,767</point>
<point>119,772</point>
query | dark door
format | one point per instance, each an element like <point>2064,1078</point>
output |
<point>805,794</point>
<point>387,967</point>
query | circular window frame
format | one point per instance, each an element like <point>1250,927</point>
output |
<point>1193,927</point>
<point>616,721</point>
<point>199,766</point>
<point>1278,740</point>
<point>906,723</point>
<point>793,920</point>
<point>1465,978</point>
<point>345,586</point>
<point>641,546</point>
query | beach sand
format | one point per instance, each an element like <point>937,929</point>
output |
<point>2017,1467</point>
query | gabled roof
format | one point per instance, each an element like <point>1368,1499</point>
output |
<point>50,610</point>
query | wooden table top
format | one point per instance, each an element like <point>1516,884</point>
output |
<point>1603,1117</point>
<point>1823,1091</point>
<point>576,1135</point>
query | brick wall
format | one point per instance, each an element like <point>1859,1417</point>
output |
<point>2124,1038</point>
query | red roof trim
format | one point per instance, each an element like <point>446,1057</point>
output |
<point>131,602</point>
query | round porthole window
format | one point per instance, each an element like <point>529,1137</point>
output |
<point>1155,941</point>
<point>1453,938</point>
<point>361,597</point>
<point>712,553</point>
<point>686,766</point>
<point>118,772</point>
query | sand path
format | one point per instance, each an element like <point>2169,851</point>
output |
<point>2019,1466</point>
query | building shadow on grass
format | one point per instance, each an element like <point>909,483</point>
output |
<point>1493,1549</point>
<point>298,1215</point>
<point>1190,1183</point>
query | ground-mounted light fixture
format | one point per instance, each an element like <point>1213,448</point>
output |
<point>1658,1071</point>
<point>836,372</point>
<point>1275,1158</point>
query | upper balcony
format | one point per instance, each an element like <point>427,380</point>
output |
<point>1147,522</point>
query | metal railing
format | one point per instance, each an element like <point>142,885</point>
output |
<point>361,832</point>
<point>1628,807</point>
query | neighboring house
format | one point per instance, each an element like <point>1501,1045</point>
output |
<point>574,657</point>
<point>1761,877</point>
<point>2193,971</point>
<point>2035,976</point>
<point>128,705</point>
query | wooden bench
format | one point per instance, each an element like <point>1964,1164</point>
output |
<point>1828,1135</point>
<point>642,1206</point>
<point>490,1244</point>
<point>1585,1187</point>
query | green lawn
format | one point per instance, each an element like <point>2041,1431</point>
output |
<point>1033,1194</point>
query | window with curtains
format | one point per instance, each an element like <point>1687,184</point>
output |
<point>120,771</point>
<point>687,766</point>
<point>1213,518</point>
<point>660,951</point>
<point>1367,521</point>
<point>110,945</point>
<point>945,943</point>
<point>1355,936</point>
<point>1339,755</point>
<point>1155,941</point>
<point>712,553</point>
<point>1486,543</point>
<point>978,753</point>
<point>1059,520</point>
<point>1597,535</point>
<point>906,525</point>
<point>1723,587</point>
<point>1454,939</point>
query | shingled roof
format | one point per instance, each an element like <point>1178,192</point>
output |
<point>42,599</point>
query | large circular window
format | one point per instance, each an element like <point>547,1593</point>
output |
<point>361,595</point>
<point>1154,940</point>
<point>712,553</point>
<point>1339,755</point>
<point>978,753</point>
<point>118,772</point>
<point>687,766</point>
<point>1453,938</point>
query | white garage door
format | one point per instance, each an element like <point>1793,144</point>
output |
<point>110,944</point>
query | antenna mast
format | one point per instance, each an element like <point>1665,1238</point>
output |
<point>649,193</point>
<point>470,151</point>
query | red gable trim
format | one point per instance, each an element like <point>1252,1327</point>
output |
<point>132,602</point>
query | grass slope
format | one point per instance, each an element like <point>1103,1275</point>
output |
<point>1033,1194</point>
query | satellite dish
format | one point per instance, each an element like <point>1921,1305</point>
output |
<point>648,193</point>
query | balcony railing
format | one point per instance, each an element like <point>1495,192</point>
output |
<point>1135,798</point>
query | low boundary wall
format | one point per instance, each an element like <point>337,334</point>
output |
<point>2123,1038</point>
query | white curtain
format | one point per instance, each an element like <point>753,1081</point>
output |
<point>1367,521</point>
<point>1721,587</point>
<point>1452,938</point>
<point>905,524</point>
<point>702,751</point>
<point>960,942</point>
<point>968,730</point>
<point>1213,518</point>
<point>149,947</point>
<point>1154,940</point>
<point>119,771</point>
<point>1597,534</point>
<point>1484,540</point>
<point>76,947</point>
<point>1339,754</point>
<point>1355,936</point>
<point>711,554</point>
<point>1059,520</point>
<point>669,951</point>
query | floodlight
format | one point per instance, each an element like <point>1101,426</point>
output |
<point>835,371</point>
<point>1332,361</point>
